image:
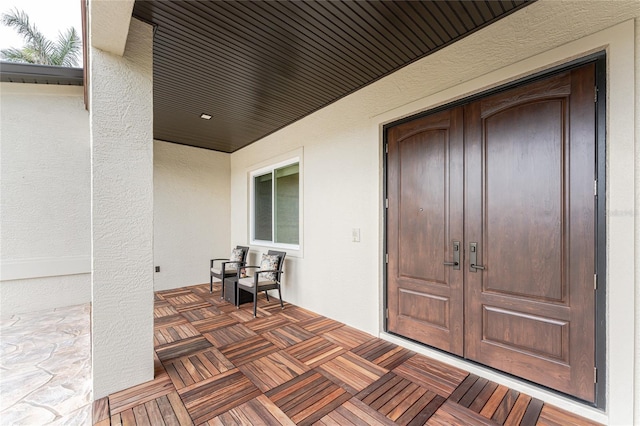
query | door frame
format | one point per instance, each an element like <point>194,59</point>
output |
<point>599,58</point>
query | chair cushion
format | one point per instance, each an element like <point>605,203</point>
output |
<point>227,271</point>
<point>250,281</point>
<point>269,262</point>
<point>236,255</point>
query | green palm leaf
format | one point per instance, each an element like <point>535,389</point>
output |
<point>67,48</point>
<point>38,49</point>
<point>16,55</point>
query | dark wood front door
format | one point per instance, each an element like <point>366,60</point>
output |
<point>525,170</point>
<point>425,219</point>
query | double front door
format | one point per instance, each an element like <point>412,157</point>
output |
<point>490,231</point>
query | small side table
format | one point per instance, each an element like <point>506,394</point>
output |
<point>230,286</point>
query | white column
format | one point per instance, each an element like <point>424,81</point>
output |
<point>121,116</point>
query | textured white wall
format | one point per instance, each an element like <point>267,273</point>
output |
<point>191,214</point>
<point>343,169</point>
<point>45,192</point>
<point>122,213</point>
<point>636,224</point>
<point>44,293</point>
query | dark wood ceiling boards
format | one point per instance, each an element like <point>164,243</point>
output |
<point>257,66</point>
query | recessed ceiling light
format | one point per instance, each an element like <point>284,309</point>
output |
<point>206,116</point>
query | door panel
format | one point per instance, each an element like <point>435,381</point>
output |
<point>524,200</point>
<point>422,210</point>
<point>425,172</point>
<point>514,329</point>
<point>530,207</point>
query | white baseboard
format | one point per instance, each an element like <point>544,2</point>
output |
<point>21,269</point>
<point>38,294</point>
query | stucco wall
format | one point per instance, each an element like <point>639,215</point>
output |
<point>636,217</point>
<point>121,102</point>
<point>44,197</point>
<point>191,213</point>
<point>343,169</point>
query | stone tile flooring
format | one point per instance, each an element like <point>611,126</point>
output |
<point>45,367</point>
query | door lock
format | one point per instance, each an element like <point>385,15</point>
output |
<point>456,256</point>
<point>473,258</point>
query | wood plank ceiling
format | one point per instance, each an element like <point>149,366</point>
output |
<point>258,66</point>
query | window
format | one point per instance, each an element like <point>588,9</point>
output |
<point>275,205</point>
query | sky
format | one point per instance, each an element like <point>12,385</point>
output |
<point>49,16</point>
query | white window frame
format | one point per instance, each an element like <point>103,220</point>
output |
<point>264,170</point>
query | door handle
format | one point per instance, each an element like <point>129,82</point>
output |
<point>456,256</point>
<point>473,258</point>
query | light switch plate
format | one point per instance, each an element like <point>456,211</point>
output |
<point>355,235</point>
